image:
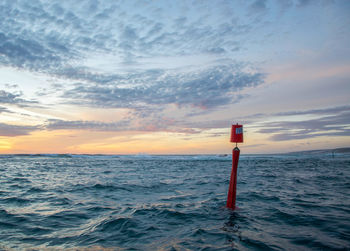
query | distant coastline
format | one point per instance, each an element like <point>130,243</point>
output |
<point>343,150</point>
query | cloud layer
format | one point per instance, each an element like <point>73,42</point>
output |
<point>208,88</point>
<point>49,35</point>
<point>58,38</point>
<point>333,121</point>
<point>173,66</point>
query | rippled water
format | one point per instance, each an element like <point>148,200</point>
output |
<point>173,203</point>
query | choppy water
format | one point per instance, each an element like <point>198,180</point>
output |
<point>173,203</point>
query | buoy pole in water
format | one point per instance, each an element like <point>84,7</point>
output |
<point>236,137</point>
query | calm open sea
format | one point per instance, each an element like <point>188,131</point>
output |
<point>144,202</point>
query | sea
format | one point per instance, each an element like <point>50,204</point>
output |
<point>174,202</point>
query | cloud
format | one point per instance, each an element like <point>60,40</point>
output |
<point>11,98</point>
<point>56,124</point>
<point>324,111</point>
<point>302,3</point>
<point>206,88</point>
<point>259,5</point>
<point>11,86</point>
<point>53,36</point>
<point>334,121</point>
<point>153,124</point>
<point>57,37</point>
<point>25,53</point>
<point>4,109</point>
<point>8,130</point>
<point>148,119</point>
<point>252,118</point>
<point>84,74</point>
<point>31,37</point>
<point>307,134</point>
<point>205,125</point>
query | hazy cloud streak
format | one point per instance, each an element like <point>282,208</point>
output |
<point>8,130</point>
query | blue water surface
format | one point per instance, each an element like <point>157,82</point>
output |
<point>96,202</point>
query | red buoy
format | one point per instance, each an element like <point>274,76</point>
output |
<point>236,137</point>
<point>231,196</point>
<point>237,134</point>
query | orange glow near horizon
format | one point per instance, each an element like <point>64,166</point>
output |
<point>83,142</point>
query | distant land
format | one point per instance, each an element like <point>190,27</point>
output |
<point>344,150</point>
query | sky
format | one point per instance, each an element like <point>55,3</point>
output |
<point>170,77</point>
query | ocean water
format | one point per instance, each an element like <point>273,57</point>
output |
<point>85,202</point>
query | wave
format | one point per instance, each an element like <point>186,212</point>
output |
<point>177,202</point>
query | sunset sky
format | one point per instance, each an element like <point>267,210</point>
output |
<point>170,77</point>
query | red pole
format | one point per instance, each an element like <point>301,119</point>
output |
<point>231,196</point>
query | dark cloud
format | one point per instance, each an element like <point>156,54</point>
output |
<point>8,130</point>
